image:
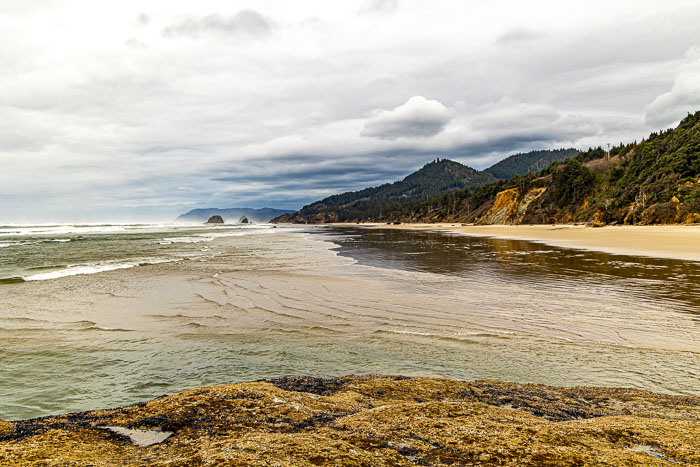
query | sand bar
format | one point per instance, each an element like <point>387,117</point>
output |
<point>660,241</point>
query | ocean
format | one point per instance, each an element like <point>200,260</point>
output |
<point>95,316</point>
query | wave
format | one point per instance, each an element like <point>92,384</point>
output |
<point>86,269</point>
<point>10,243</point>
<point>23,231</point>
<point>77,271</point>
<point>104,329</point>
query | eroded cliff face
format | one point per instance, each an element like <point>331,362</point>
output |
<point>683,208</point>
<point>372,421</point>
<point>510,207</point>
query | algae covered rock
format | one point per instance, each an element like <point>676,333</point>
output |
<point>372,420</point>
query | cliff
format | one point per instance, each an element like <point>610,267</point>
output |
<point>370,421</point>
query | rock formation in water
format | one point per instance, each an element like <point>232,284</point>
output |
<point>243,220</point>
<point>254,215</point>
<point>368,421</point>
<point>215,220</point>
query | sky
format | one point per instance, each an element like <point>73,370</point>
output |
<point>141,110</point>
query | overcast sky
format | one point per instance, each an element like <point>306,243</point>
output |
<point>138,110</point>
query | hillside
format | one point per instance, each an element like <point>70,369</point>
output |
<point>533,161</point>
<point>231,215</point>
<point>651,182</point>
<point>434,179</point>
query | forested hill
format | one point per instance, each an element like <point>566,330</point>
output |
<point>533,161</point>
<point>431,181</point>
<point>654,181</point>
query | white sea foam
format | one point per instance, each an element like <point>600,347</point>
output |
<point>59,230</point>
<point>78,270</point>
<point>84,269</point>
<point>186,240</point>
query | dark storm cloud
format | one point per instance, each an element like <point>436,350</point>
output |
<point>245,23</point>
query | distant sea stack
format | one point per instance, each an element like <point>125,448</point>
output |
<point>258,216</point>
<point>243,220</point>
<point>215,220</point>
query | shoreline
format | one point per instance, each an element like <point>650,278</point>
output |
<point>680,242</point>
<point>371,420</point>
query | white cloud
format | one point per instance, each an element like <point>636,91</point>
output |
<point>99,107</point>
<point>518,35</point>
<point>245,23</point>
<point>417,118</point>
<point>379,6</point>
<point>684,96</point>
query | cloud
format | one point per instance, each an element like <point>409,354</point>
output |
<point>684,96</point>
<point>417,118</point>
<point>288,118</point>
<point>245,23</point>
<point>379,6</point>
<point>518,36</point>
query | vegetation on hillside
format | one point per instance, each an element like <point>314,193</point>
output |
<point>434,179</point>
<point>654,181</point>
<point>533,161</point>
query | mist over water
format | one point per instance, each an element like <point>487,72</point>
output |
<point>212,305</point>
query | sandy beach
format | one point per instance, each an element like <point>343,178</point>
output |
<point>662,241</point>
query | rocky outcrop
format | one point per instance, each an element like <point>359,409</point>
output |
<point>371,420</point>
<point>509,207</point>
<point>215,220</point>
<point>243,220</point>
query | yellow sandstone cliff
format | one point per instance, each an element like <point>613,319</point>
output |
<point>510,207</point>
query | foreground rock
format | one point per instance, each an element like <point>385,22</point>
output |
<point>373,420</point>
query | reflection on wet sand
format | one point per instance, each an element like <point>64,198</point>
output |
<point>518,260</point>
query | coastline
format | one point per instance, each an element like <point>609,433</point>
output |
<point>658,241</point>
<point>370,420</point>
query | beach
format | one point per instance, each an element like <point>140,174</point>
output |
<point>241,305</point>
<point>659,241</point>
<point>159,312</point>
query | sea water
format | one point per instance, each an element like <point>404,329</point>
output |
<point>100,316</point>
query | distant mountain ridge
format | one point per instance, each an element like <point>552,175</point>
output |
<point>231,215</point>
<point>533,161</point>
<point>432,180</point>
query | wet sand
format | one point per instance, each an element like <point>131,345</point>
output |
<point>658,241</point>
